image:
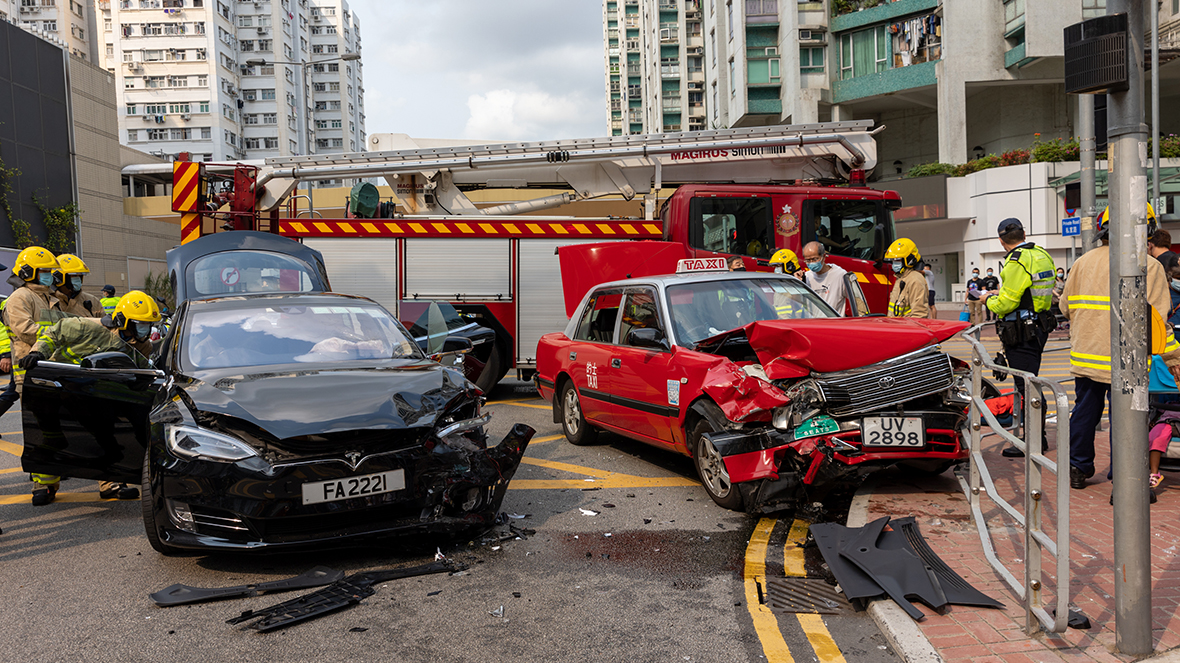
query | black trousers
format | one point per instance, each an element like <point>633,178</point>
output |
<point>9,396</point>
<point>1026,356</point>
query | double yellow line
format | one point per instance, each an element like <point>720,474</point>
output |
<point>765,622</point>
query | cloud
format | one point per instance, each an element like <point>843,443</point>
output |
<point>519,70</point>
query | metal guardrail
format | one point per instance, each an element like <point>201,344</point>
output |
<point>979,483</point>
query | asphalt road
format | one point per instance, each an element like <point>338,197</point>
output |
<point>658,573</point>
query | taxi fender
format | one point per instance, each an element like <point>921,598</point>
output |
<point>741,397</point>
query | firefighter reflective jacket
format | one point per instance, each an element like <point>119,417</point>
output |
<point>1086,302</point>
<point>910,296</point>
<point>1027,281</point>
<point>29,308</point>
<point>73,339</point>
<point>5,342</point>
<point>83,305</point>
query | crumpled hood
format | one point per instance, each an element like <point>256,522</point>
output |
<point>290,403</point>
<point>794,348</point>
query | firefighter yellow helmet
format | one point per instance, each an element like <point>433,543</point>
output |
<point>787,259</point>
<point>136,306</point>
<point>32,259</point>
<point>1102,230</point>
<point>72,264</point>
<point>905,250</point>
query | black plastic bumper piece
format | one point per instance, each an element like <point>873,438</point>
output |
<point>182,594</point>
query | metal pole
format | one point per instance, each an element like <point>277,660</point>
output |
<point>1086,142</point>
<point>305,148</point>
<point>1155,107</point>
<point>1129,351</point>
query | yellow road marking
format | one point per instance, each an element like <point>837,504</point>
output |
<point>15,432</point>
<point>523,404</point>
<point>11,470</point>
<point>765,623</point>
<point>820,639</point>
<point>603,478</point>
<point>549,438</point>
<point>14,449</point>
<point>793,550</point>
<point>61,497</point>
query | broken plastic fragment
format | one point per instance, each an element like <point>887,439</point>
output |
<point>357,629</point>
<point>435,593</point>
<point>438,556</point>
<point>587,512</point>
<point>498,612</point>
<point>515,516</point>
<point>607,534</point>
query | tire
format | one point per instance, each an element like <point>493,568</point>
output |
<point>577,430</point>
<point>491,373</point>
<point>711,468</point>
<point>149,516</point>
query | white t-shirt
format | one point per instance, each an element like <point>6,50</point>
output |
<point>829,286</point>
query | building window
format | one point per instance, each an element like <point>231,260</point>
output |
<point>178,81</point>
<point>271,143</point>
<point>157,134</point>
<point>811,60</point>
<point>132,135</point>
<point>251,118</point>
<point>246,44</point>
<point>268,94</point>
<point>251,143</point>
<point>178,108</point>
<point>729,18</point>
<point>864,52</point>
<point>270,118</point>
<point>206,133</point>
<point>180,134</point>
<point>204,107</point>
<point>132,109</point>
<point>202,81</point>
<point>1095,8</point>
<point>732,78</point>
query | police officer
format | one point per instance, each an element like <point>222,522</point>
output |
<point>910,294</point>
<point>109,300</point>
<point>69,293</point>
<point>1022,306</point>
<point>29,308</point>
<point>71,339</point>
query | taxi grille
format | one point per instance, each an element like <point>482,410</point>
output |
<point>927,371</point>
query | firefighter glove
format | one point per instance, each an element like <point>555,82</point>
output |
<point>29,361</point>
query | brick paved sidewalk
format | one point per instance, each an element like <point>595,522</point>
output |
<point>988,635</point>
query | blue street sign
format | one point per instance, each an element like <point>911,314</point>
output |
<point>1071,226</point>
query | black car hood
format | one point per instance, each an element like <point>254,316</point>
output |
<point>292,401</point>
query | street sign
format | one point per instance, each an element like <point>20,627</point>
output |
<point>1071,226</point>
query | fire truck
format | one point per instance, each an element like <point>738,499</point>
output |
<point>744,192</point>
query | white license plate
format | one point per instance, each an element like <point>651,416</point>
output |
<point>892,432</point>
<point>349,487</point>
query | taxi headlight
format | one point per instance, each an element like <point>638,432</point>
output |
<point>195,442</point>
<point>960,389</point>
<point>807,392</point>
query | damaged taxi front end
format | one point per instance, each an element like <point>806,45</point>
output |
<point>835,420</point>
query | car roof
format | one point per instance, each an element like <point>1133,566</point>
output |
<point>695,277</point>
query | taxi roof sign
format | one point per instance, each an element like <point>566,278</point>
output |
<point>701,265</point>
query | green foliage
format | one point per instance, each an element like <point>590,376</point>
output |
<point>22,235</point>
<point>925,169</point>
<point>61,225</point>
<point>159,286</point>
<point>1057,149</point>
<point>843,7</point>
<point>1169,147</point>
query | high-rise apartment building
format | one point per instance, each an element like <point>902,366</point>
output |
<point>232,79</point>
<point>62,22</point>
<point>655,66</point>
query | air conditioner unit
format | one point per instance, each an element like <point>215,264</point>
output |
<point>147,118</point>
<point>261,31</point>
<point>696,85</point>
<point>186,116</point>
<point>316,18</point>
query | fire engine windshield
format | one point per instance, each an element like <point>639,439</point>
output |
<point>275,334</point>
<point>851,228</point>
<point>243,272</point>
<point>704,309</point>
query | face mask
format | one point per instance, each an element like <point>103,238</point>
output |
<point>975,275</point>
<point>989,272</point>
<point>74,283</point>
<point>1176,284</point>
<point>1060,275</point>
<point>815,266</point>
<point>897,266</point>
<point>45,278</point>
<point>141,329</point>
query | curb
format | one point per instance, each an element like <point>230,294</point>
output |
<point>899,629</point>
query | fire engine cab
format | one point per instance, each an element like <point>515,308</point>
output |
<point>745,192</point>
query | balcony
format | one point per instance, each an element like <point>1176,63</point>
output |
<point>631,44</point>
<point>635,116</point>
<point>634,69</point>
<point>616,124</point>
<point>616,105</point>
<point>614,87</point>
<point>667,5</point>
<point>671,105</point>
<point>631,21</point>
<point>634,91</point>
<point>669,128</point>
<point>613,52</point>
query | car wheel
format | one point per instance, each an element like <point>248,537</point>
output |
<point>577,430</point>
<point>149,515</point>
<point>711,468</point>
<point>490,375</point>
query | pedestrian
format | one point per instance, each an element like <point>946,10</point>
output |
<point>928,272</point>
<point>1086,304</point>
<point>826,279</point>
<point>990,285</point>
<point>910,295</point>
<point>109,300</point>
<point>1022,306</point>
<point>31,307</point>
<point>974,303</point>
<point>74,338</point>
<point>1058,288</point>
<point>1159,245</point>
<point>69,294</point>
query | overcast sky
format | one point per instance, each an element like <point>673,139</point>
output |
<point>512,70</point>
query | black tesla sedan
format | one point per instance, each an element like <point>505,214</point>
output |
<point>277,414</point>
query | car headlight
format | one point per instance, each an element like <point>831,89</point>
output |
<point>807,392</point>
<point>194,442</point>
<point>960,389</point>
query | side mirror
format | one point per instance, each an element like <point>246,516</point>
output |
<point>647,337</point>
<point>456,345</point>
<point>116,360</point>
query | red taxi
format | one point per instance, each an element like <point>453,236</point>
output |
<point>753,376</point>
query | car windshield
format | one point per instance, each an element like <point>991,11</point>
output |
<point>241,272</point>
<point>704,309</point>
<point>277,334</point>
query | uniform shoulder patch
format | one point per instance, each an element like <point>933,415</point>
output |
<point>1015,255</point>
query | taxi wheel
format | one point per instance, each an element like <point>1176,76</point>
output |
<point>711,468</point>
<point>573,424</point>
<point>149,516</point>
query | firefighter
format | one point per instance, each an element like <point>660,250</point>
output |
<point>71,339</point>
<point>1021,306</point>
<point>8,396</point>
<point>909,296</point>
<point>785,261</point>
<point>109,300</point>
<point>69,294</point>
<point>1085,302</point>
<point>30,307</point>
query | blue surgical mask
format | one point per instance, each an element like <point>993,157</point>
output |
<point>1176,284</point>
<point>975,274</point>
<point>897,266</point>
<point>989,272</point>
<point>815,266</point>
<point>45,278</point>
